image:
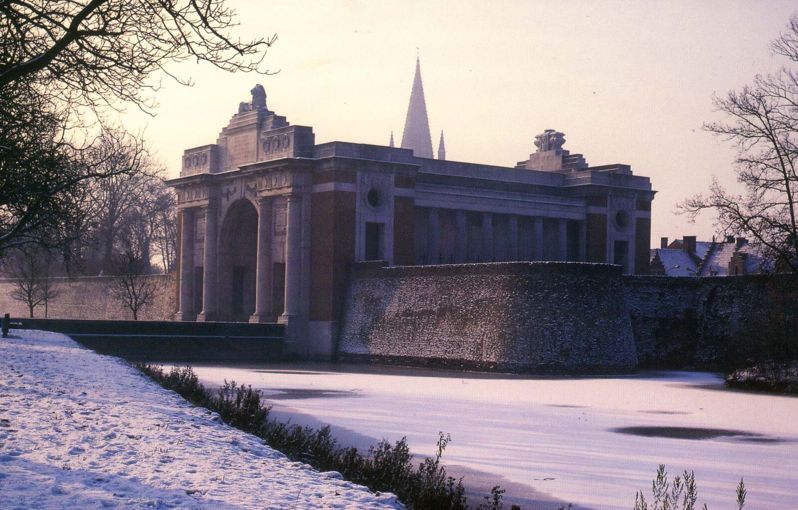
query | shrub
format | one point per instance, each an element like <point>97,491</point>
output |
<point>682,494</point>
<point>386,467</point>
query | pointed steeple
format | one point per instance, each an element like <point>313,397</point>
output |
<point>390,144</point>
<point>416,135</point>
<point>441,148</point>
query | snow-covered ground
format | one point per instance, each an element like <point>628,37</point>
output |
<point>558,436</point>
<point>79,430</point>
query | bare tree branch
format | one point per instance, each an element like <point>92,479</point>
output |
<point>109,50</point>
<point>132,285</point>
<point>762,123</point>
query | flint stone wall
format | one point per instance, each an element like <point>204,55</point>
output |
<point>535,317</point>
<point>90,298</point>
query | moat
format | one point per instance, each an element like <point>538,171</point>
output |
<point>589,441</point>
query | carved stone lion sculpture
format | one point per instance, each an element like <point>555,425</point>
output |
<point>258,97</point>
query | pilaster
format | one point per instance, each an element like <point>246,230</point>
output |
<point>293,262</point>
<point>537,236</point>
<point>487,237</point>
<point>512,243</point>
<point>461,254</point>
<point>186,306</point>
<point>562,239</point>
<point>210,266</point>
<point>434,233</point>
<point>263,262</point>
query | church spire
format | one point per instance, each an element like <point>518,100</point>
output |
<point>441,148</point>
<point>416,135</point>
<point>390,144</point>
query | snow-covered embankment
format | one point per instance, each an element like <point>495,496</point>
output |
<point>80,430</point>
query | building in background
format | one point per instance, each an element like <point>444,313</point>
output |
<point>689,257</point>
<point>271,222</point>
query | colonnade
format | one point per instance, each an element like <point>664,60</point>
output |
<point>526,245</point>
<point>263,306</point>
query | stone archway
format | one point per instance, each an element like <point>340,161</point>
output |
<point>238,247</point>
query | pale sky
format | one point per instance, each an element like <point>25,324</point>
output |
<point>627,82</point>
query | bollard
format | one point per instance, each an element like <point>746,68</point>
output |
<point>6,324</point>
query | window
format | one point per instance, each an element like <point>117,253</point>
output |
<point>374,243</point>
<point>620,257</point>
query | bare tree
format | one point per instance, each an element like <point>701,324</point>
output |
<point>36,167</point>
<point>94,51</point>
<point>44,175</point>
<point>763,126</point>
<point>134,211</point>
<point>165,225</point>
<point>150,226</point>
<point>132,284</point>
<point>30,268</point>
<point>114,202</point>
<point>59,57</point>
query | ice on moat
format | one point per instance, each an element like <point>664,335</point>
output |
<point>591,441</point>
<point>79,430</point>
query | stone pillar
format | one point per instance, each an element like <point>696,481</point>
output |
<point>462,238</point>
<point>487,237</point>
<point>209,263</point>
<point>583,241</point>
<point>512,243</point>
<point>562,239</point>
<point>537,237</point>
<point>631,245</point>
<point>186,306</point>
<point>434,236</point>
<point>264,262</point>
<point>293,256</point>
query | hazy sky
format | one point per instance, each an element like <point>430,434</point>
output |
<point>628,82</point>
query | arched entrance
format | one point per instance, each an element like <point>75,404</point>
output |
<point>238,248</point>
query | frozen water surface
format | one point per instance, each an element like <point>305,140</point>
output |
<point>588,441</point>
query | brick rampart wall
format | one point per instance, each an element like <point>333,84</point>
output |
<point>541,317</point>
<point>713,321</point>
<point>521,316</point>
<point>89,298</point>
<point>565,317</point>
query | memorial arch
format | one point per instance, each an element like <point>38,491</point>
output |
<point>271,222</point>
<point>238,261</point>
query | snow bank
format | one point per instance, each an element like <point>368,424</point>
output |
<point>80,430</point>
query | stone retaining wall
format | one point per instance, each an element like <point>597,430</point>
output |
<point>544,316</point>
<point>565,317</point>
<point>711,322</point>
<point>541,317</point>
